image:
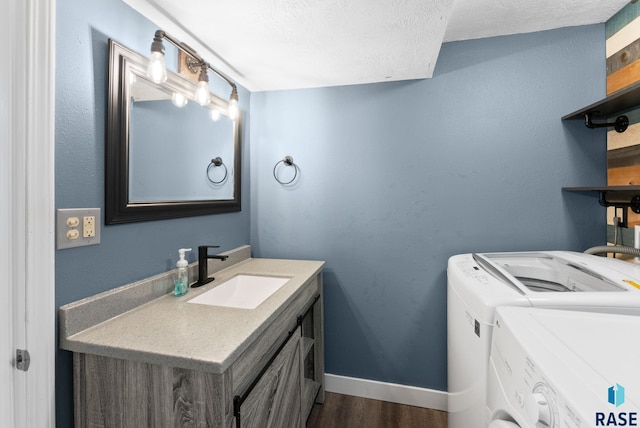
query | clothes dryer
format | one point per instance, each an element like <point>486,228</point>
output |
<point>478,283</point>
<point>569,369</point>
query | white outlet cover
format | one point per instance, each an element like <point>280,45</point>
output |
<point>62,227</point>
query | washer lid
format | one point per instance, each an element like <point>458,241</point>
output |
<point>544,272</point>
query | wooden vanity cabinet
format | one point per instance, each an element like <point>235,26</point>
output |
<point>283,394</point>
<point>111,393</point>
<point>312,356</point>
<point>273,383</point>
<point>274,400</point>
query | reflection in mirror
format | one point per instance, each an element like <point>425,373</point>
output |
<point>161,146</point>
<point>171,144</point>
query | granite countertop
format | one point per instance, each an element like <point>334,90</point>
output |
<point>170,331</point>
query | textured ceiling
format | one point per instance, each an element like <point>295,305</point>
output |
<point>289,44</point>
<point>474,19</point>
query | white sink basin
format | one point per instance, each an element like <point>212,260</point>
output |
<point>241,291</point>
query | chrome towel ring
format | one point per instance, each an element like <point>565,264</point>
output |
<point>217,162</point>
<point>287,161</point>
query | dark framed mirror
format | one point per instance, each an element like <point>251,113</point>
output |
<point>166,156</point>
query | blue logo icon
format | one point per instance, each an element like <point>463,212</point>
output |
<point>616,395</point>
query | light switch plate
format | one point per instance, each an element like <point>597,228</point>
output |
<point>76,227</point>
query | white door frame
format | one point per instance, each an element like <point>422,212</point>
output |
<point>6,305</point>
<point>27,256</point>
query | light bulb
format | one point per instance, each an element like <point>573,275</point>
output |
<point>156,70</point>
<point>178,99</point>
<point>202,93</point>
<point>215,115</point>
<point>234,110</point>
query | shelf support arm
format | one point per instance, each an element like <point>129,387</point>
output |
<point>634,203</point>
<point>620,125</point>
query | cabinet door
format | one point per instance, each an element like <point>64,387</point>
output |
<point>274,402</point>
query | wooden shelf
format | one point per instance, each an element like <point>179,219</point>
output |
<point>613,196</point>
<point>310,390</point>
<point>619,101</point>
<point>633,189</point>
<point>307,345</point>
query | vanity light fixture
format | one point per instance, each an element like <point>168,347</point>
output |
<point>178,99</point>
<point>234,110</point>
<point>202,93</point>
<point>157,71</point>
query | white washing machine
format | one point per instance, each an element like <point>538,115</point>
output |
<point>556,368</point>
<point>478,283</point>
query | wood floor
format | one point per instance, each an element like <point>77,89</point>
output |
<point>345,411</point>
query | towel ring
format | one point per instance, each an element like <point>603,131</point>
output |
<point>287,161</point>
<point>216,162</point>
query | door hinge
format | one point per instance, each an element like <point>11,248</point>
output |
<point>23,359</point>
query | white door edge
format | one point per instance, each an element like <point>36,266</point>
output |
<point>27,109</point>
<point>7,395</point>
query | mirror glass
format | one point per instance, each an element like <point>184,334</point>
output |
<point>166,156</point>
<point>171,147</point>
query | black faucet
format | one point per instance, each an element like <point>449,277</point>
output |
<point>203,257</point>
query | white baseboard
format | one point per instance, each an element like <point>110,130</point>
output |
<point>394,393</point>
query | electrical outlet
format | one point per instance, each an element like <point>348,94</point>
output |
<point>88,226</point>
<point>76,227</point>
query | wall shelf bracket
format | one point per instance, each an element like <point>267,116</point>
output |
<point>620,125</point>
<point>613,196</point>
<point>634,203</point>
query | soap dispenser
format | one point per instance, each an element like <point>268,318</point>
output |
<point>181,284</point>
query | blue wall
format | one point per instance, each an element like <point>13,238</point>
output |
<point>397,177</point>
<point>127,252</point>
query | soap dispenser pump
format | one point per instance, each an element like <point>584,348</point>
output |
<point>181,284</point>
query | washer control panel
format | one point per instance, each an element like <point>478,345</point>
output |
<point>517,379</point>
<point>471,271</point>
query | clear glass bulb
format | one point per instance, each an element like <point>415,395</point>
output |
<point>202,93</point>
<point>215,115</point>
<point>178,99</point>
<point>156,70</point>
<point>234,110</point>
